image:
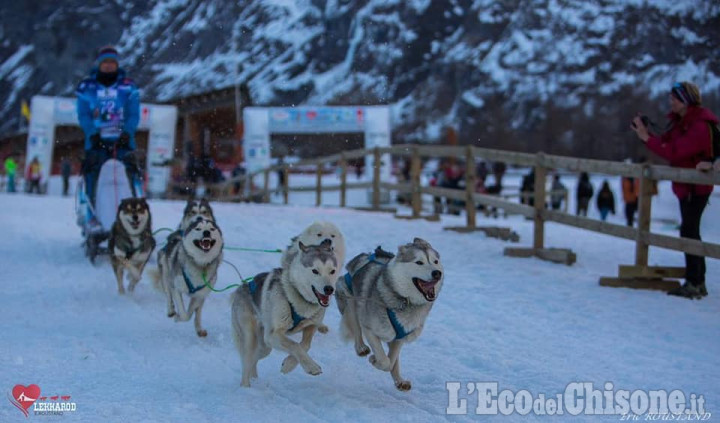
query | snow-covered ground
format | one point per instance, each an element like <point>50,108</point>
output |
<point>524,323</point>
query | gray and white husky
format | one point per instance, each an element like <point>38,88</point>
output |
<point>185,266</point>
<point>131,241</point>
<point>386,298</point>
<point>194,209</point>
<point>283,302</point>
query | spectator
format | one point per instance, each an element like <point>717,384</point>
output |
<point>66,170</point>
<point>583,194</point>
<point>558,194</point>
<point>631,190</point>
<point>685,143</point>
<point>499,169</point>
<point>605,201</point>
<point>10,171</point>
<point>482,171</point>
<point>527,188</point>
<point>34,174</point>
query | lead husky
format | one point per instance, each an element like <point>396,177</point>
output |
<point>387,298</point>
<point>281,303</point>
<point>131,241</point>
<point>184,267</point>
<point>315,234</point>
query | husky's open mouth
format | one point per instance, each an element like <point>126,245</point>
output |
<point>204,244</point>
<point>323,300</point>
<point>134,224</point>
<point>426,288</point>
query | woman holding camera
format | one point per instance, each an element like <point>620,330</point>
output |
<point>685,143</point>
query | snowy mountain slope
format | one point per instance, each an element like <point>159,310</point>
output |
<point>527,324</point>
<point>441,62</point>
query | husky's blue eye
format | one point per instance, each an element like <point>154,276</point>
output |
<point>419,263</point>
<point>316,272</point>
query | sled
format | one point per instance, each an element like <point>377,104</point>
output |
<point>113,186</point>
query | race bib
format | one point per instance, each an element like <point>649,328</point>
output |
<point>110,114</point>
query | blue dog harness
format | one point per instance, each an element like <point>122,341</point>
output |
<point>295,316</point>
<point>400,331</point>
<point>191,288</point>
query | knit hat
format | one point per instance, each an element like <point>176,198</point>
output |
<point>687,92</point>
<point>107,53</point>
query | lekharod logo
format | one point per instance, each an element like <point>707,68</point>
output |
<point>25,396</point>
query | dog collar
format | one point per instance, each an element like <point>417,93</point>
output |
<point>191,288</point>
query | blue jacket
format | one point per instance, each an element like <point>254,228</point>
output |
<point>108,111</point>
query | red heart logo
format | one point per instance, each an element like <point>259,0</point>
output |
<point>312,114</point>
<point>26,395</point>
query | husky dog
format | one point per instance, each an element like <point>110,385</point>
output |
<point>314,235</point>
<point>185,266</point>
<point>387,298</point>
<point>131,241</point>
<point>283,302</point>
<point>194,209</point>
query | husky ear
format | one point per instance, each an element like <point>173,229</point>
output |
<point>303,247</point>
<point>421,242</point>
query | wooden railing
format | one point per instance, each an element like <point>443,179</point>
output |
<point>539,213</point>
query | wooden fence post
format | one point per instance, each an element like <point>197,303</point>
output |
<point>318,189</point>
<point>376,179</point>
<point>470,181</point>
<point>415,193</point>
<point>644,209</point>
<point>539,199</point>
<point>343,179</point>
<point>266,186</point>
<point>286,183</point>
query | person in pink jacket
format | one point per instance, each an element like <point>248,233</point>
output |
<point>685,143</point>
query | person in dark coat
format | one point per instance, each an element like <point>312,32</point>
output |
<point>66,170</point>
<point>584,194</point>
<point>527,188</point>
<point>686,143</point>
<point>605,201</point>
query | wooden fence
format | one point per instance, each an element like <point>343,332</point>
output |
<point>638,275</point>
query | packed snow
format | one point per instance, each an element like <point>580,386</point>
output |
<point>524,323</point>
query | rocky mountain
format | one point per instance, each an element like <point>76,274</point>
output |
<point>558,75</point>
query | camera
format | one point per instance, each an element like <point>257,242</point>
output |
<point>645,120</point>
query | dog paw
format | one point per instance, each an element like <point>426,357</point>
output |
<point>313,369</point>
<point>362,350</point>
<point>379,364</point>
<point>202,333</point>
<point>288,365</point>
<point>171,314</point>
<point>403,385</point>
<point>323,329</point>
<point>121,291</point>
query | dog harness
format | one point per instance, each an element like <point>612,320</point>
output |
<point>191,288</point>
<point>400,331</point>
<point>295,316</point>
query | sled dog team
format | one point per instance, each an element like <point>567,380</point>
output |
<point>383,297</point>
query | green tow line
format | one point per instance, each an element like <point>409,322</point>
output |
<point>246,280</point>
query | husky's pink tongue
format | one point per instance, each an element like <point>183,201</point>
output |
<point>426,288</point>
<point>324,300</point>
